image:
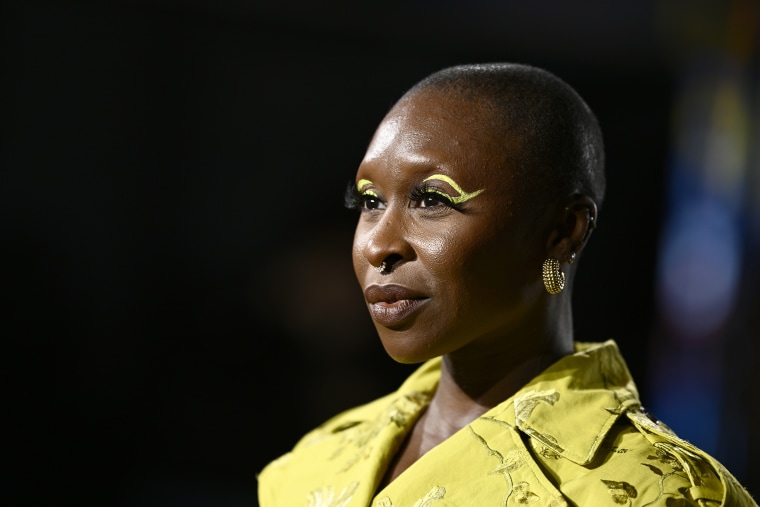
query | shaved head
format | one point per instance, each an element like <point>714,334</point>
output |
<point>551,138</point>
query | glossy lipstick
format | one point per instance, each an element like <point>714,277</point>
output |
<point>391,305</point>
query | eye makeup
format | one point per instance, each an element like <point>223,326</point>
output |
<point>364,183</point>
<point>358,195</point>
<point>462,197</point>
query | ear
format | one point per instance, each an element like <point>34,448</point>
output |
<point>573,226</point>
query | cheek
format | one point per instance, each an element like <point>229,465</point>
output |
<point>503,272</point>
<point>489,263</point>
<point>359,262</point>
<point>458,247</point>
<point>442,243</point>
<point>439,250</point>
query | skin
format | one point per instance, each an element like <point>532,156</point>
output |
<point>475,268</point>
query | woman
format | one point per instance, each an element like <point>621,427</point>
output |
<point>478,193</point>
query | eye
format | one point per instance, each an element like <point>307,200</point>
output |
<point>371,202</point>
<point>432,199</point>
<point>427,197</point>
<point>359,201</point>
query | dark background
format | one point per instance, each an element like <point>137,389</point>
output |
<point>179,293</point>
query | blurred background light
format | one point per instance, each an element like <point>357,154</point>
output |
<point>701,343</point>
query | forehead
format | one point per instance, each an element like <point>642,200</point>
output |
<point>440,131</point>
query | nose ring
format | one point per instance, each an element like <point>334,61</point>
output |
<point>383,268</point>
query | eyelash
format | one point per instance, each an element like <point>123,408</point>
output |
<point>420,192</point>
<point>353,199</point>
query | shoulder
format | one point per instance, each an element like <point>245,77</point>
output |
<point>318,457</point>
<point>335,428</point>
<point>350,447</point>
<point>709,480</point>
<point>343,452</point>
<point>640,461</point>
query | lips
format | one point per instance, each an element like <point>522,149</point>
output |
<point>392,305</point>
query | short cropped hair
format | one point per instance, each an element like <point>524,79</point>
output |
<point>560,150</point>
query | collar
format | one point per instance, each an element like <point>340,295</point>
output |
<point>569,407</point>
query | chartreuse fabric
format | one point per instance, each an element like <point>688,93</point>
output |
<point>574,435</point>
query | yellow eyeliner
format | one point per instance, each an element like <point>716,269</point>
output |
<point>463,196</point>
<point>364,183</point>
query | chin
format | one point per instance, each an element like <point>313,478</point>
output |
<point>405,350</point>
<point>408,359</point>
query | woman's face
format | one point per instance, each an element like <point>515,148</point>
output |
<point>462,269</point>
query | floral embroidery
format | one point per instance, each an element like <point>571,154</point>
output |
<point>638,468</point>
<point>695,468</point>
<point>666,459</point>
<point>511,462</point>
<point>508,464</point>
<point>434,494</point>
<point>651,426</point>
<point>654,469</point>
<point>622,492</point>
<point>523,494</point>
<point>526,402</point>
<point>358,437</point>
<point>325,496</point>
<point>543,450</point>
<point>614,449</point>
<point>547,453</point>
<point>678,502</point>
<point>547,440</point>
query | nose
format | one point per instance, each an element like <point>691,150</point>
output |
<point>386,246</point>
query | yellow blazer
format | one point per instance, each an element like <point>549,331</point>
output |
<point>574,435</point>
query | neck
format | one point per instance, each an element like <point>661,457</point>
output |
<point>477,379</point>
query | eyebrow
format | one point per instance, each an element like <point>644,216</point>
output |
<point>463,196</point>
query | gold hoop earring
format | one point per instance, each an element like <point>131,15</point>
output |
<point>554,279</point>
